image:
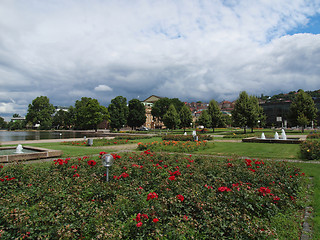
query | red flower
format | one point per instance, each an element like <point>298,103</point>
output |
<point>92,162</point>
<point>152,195</point>
<point>76,175</point>
<point>252,170</point>
<point>264,190</point>
<point>172,178</point>
<point>102,153</point>
<point>155,220</point>
<point>180,197</point>
<point>224,189</point>
<point>139,224</point>
<point>1,166</point>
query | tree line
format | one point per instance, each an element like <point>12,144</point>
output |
<point>87,113</point>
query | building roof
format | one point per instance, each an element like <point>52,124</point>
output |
<point>152,99</point>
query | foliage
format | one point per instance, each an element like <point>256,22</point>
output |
<point>247,111</point>
<point>118,111</point>
<point>60,119</point>
<point>310,149</point>
<point>40,111</point>
<point>171,118</point>
<point>151,196</point>
<point>302,110</point>
<point>173,146</point>
<point>16,125</point>
<point>204,119</point>
<point>137,113</point>
<point>97,142</point>
<point>215,114</point>
<point>185,117</point>
<point>313,136</point>
<point>185,137</point>
<point>89,113</point>
<point>3,123</point>
<point>133,137</point>
<point>160,107</point>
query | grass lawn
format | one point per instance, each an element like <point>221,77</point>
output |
<point>254,150</point>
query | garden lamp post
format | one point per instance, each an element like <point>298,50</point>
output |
<point>107,161</point>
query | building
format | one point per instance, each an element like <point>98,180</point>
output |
<point>150,122</point>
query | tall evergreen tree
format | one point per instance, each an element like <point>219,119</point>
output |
<point>215,114</point>
<point>171,118</point>
<point>205,119</point>
<point>137,113</point>
<point>118,111</point>
<point>302,110</point>
<point>185,117</point>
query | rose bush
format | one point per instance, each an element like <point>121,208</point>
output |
<point>207,199</point>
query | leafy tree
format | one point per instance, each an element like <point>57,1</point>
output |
<point>204,119</point>
<point>171,118</point>
<point>185,117</point>
<point>60,119</point>
<point>215,114</point>
<point>89,113</point>
<point>70,120</point>
<point>137,113</point>
<point>160,107</point>
<point>40,112</point>
<point>3,123</point>
<point>256,113</point>
<point>247,111</point>
<point>16,115</point>
<point>118,110</point>
<point>302,110</point>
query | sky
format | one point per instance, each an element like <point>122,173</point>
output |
<point>194,50</point>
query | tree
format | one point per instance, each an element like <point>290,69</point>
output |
<point>40,112</point>
<point>171,118</point>
<point>255,113</point>
<point>302,110</point>
<point>70,120</point>
<point>246,111</point>
<point>160,108</point>
<point>118,111</point>
<point>3,123</point>
<point>59,119</point>
<point>215,114</point>
<point>205,119</point>
<point>89,113</point>
<point>16,115</point>
<point>185,117</point>
<point>137,113</point>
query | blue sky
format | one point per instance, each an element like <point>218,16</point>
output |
<point>190,49</point>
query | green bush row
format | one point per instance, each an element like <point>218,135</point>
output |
<point>185,137</point>
<point>310,149</point>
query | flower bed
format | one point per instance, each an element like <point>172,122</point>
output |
<point>173,146</point>
<point>313,136</point>
<point>151,196</point>
<point>185,137</point>
<point>97,142</point>
<point>310,149</point>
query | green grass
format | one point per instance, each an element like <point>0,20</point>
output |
<point>313,170</point>
<point>254,150</point>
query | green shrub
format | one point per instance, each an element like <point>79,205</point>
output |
<point>150,196</point>
<point>173,146</point>
<point>185,137</point>
<point>310,149</point>
<point>133,137</point>
<point>313,136</point>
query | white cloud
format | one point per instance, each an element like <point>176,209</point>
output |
<point>185,49</point>
<point>103,88</point>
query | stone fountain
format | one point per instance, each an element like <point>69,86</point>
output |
<point>19,149</point>
<point>275,139</point>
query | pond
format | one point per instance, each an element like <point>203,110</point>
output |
<point>38,135</point>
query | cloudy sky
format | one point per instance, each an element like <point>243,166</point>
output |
<point>190,49</point>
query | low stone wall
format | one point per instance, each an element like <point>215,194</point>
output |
<point>40,153</point>
<point>270,140</point>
